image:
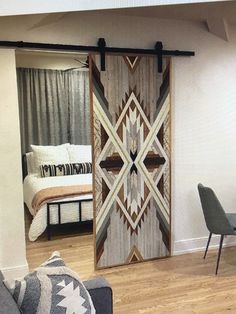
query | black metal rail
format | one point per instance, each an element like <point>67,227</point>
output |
<point>102,49</point>
<point>80,222</point>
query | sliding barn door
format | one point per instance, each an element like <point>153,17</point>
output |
<point>131,119</point>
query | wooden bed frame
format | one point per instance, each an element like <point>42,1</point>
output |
<point>60,226</point>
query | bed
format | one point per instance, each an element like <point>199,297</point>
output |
<point>53,210</point>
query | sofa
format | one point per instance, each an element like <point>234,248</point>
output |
<point>98,288</point>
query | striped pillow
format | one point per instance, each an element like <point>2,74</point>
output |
<point>65,169</point>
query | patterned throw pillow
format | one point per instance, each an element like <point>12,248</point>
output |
<point>65,169</point>
<point>44,155</point>
<point>53,289</point>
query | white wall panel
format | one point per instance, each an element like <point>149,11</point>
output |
<point>12,235</point>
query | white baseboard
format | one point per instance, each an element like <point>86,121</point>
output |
<point>15,272</point>
<point>199,244</point>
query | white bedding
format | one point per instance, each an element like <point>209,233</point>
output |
<point>69,212</point>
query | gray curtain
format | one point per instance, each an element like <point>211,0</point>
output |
<point>54,107</point>
<point>79,115</point>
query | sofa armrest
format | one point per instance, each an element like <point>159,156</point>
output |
<point>101,294</point>
<point>7,303</point>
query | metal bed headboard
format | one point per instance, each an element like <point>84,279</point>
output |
<point>24,166</point>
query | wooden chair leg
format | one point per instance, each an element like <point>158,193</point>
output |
<point>208,242</point>
<point>219,252</point>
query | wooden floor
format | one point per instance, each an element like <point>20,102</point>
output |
<point>180,284</point>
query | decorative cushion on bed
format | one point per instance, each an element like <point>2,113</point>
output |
<point>30,163</point>
<point>52,288</point>
<point>80,153</point>
<point>65,169</point>
<point>50,155</point>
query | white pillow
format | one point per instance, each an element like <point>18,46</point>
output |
<point>50,155</point>
<point>80,153</point>
<point>30,163</point>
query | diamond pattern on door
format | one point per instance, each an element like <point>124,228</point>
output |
<point>131,108</point>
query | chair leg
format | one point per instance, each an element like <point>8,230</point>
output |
<point>208,242</point>
<point>219,252</point>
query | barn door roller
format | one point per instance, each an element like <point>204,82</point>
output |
<point>158,51</point>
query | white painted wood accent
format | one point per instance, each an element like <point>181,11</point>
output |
<point>218,27</point>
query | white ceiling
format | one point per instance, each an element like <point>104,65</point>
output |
<point>16,7</point>
<point>193,11</point>
<point>217,16</point>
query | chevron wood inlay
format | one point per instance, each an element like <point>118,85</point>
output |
<point>131,110</point>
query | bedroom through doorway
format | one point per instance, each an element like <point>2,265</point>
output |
<point>55,122</point>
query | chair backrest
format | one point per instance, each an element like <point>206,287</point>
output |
<point>215,217</point>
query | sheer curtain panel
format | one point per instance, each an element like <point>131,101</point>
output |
<point>54,107</point>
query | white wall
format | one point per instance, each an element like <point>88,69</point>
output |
<point>204,131</point>
<point>12,7</point>
<point>12,235</point>
<point>27,59</point>
<point>203,100</point>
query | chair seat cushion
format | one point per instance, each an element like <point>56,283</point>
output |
<point>232,219</point>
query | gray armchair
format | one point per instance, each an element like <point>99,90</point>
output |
<point>217,221</point>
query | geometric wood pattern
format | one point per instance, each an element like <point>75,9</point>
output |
<point>131,118</point>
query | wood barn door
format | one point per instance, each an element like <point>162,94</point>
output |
<point>131,141</point>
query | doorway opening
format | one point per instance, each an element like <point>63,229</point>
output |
<point>55,122</point>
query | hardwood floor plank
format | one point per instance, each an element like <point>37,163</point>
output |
<point>183,284</point>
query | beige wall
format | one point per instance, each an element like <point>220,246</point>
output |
<point>12,240</point>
